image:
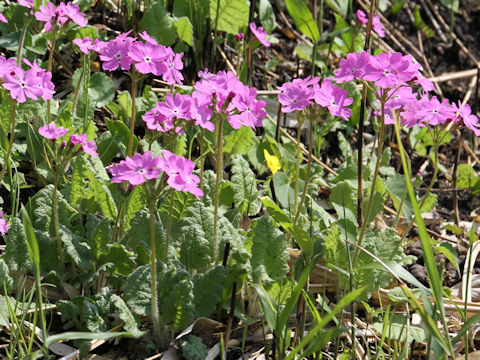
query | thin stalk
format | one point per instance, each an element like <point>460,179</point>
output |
<point>374,182</point>
<point>219,130</point>
<point>307,176</point>
<point>455,178</point>
<point>86,80</point>
<point>215,34</point>
<point>20,44</point>
<point>75,94</point>
<point>202,158</point>
<point>169,224</point>
<point>297,165</point>
<point>55,218</point>
<point>155,311</point>
<point>50,63</point>
<point>465,296</point>
<point>10,144</point>
<point>429,188</point>
<point>132,120</point>
<point>117,219</point>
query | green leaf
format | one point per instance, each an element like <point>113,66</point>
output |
<point>88,184</point>
<point>184,29</point>
<point>244,183</point>
<point>138,237</point>
<point>101,88</point>
<point>78,250</point>
<point>420,23</point>
<point>16,253</point>
<point>284,190</point>
<point>121,258</point>
<point>377,205</point>
<point>451,4</point>
<point>269,251</point>
<point>137,290</point>
<point>40,208</point>
<point>182,201</point>
<point>267,16</point>
<point>339,6</point>
<point>6,280</point>
<point>269,307</point>
<point>300,236</point>
<point>85,336</point>
<point>396,188</point>
<point>99,235</point>
<point>465,176</point>
<point>207,290</point>
<point>195,250</point>
<point>396,329</point>
<point>130,324</point>
<point>344,200</point>
<point>302,17</point>
<point>137,200</point>
<point>232,15</point>
<point>92,318</point>
<point>159,24</point>
<point>175,295</point>
<point>239,141</point>
<point>429,203</point>
<point>193,348</point>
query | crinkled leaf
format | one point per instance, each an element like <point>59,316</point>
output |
<point>123,259</point>
<point>193,348</point>
<point>207,290</point>
<point>137,290</point>
<point>78,250</point>
<point>269,251</point>
<point>130,324</point>
<point>267,16</point>
<point>6,280</point>
<point>16,252</point>
<point>138,237</point>
<point>246,195</point>
<point>195,250</point>
<point>91,317</point>
<point>344,200</point>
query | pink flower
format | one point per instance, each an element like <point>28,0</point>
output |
<point>250,110</point>
<point>155,120</point>
<point>435,112</point>
<point>297,94</point>
<point>46,14</point>
<point>74,14</point>
<point>180,176</point>
<point>26,3</point>
<point>333,98</point>
<point>78,139</point>
<point>3,19</point>
<point>201,112</point>
<point>23,84</point>
<point>174,64</point>
<point>148,58</point>
<point>115,53</point>
<point>7,65</point>
<point>52,132</point>
<point>464,114</point>
<point>353,67</point>
<point>46,85</point>
<point>177,106</point>
<point>85,44</point>
<point>144,35</point>
<point>90,147</point>
<point>376,23</point>
<point>388,70</point>
<point>3,224</point>
<point>136,169</point>
<point>260,34</point>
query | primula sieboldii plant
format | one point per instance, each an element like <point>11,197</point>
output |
<point>376,24</point>
<point>53,15</point>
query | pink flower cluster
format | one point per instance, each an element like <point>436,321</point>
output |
<point>62,14</point>
<point>301,93</point>
<point>3,224</point>
<point>385,70</point>
<point>52,132</point>
<point>376,24</point>
<point>33,83</point>
<point>141,168</point>
<point>149,57</point>
<point>392,74</point>
<point>222,93</point>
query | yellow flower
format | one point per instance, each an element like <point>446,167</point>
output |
<point>272,161</point>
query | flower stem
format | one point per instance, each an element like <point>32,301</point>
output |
<point>297,166</point>
<point>374,182</point>
<point>132,120</point>
<point>219,130</point>
<point>50,63</point>
<point>55,218</point>
<point>155,311</point>
<point>86,80</point>
<point>202,159</point>
<point>10,144</point>
<point>169,225</point>
<point>307,176</point>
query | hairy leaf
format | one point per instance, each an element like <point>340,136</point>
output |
<point>159,24</point>
<point>130,324</point>
<point>246,195</point>
<point>193,348</point>
<point>269,251</point>
<point>195,248</point>
<point>239,141</point>
<point>207,290</point>
<point>16,252</point>
<point>78,250</point>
